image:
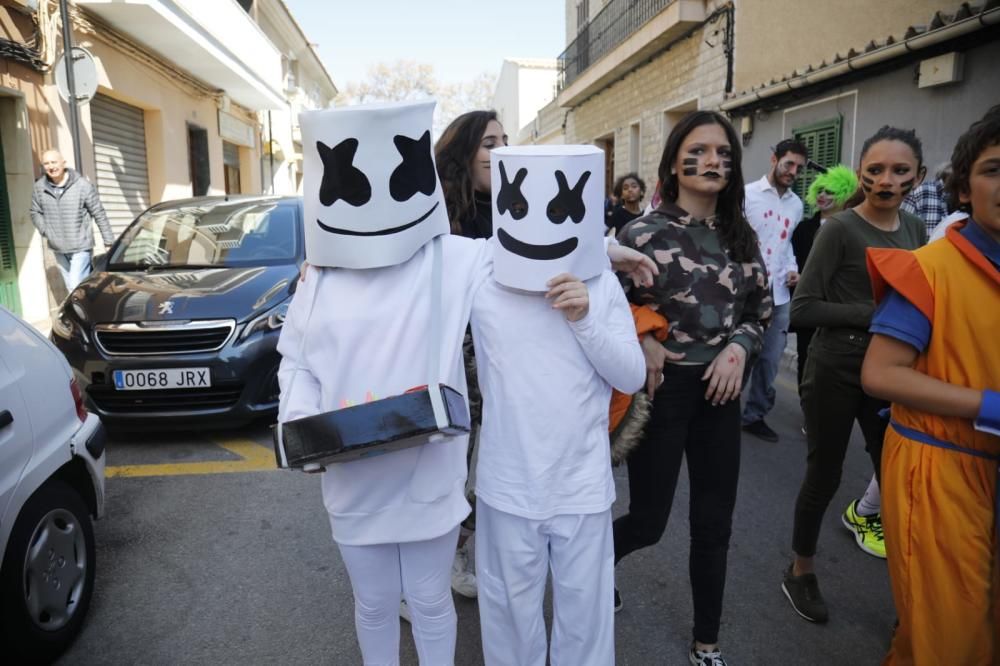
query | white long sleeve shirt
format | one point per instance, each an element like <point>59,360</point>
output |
<point>546,385</point>
<point>366,339</point>
<point>774,218</point>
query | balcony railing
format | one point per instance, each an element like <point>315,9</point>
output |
<point>616,22</point>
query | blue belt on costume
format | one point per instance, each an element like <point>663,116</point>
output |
<point>924,438</point>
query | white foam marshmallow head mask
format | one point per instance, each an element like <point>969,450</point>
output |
<point>548,214</point>
<point>371,195</point>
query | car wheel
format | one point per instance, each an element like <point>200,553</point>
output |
<point>48,573</point>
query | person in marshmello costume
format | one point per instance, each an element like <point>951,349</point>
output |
<point>553,334</point>
<point>357,330</point>
<point>360,328</point>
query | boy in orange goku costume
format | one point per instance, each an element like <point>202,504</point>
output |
<point>935,355</point>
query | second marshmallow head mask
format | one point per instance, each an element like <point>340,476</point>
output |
<point>548,214</point>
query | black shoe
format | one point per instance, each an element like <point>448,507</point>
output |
<point>803,593</point>
<point>761,430</point>
<point>618,601</point>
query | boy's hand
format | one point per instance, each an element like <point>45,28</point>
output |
<point>570,295</point>
<point>640,268</point>
<point>303,270</point>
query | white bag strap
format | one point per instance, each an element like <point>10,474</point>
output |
<point>434,337</point>
<point>298,366</point>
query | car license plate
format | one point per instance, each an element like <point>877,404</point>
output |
<point>168,378</point>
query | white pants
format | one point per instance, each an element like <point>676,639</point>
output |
<point>73,267</point>
<point>513,558</point>
<point>420,571</point>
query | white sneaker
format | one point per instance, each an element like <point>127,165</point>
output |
<point>404,611</point>
<point>463,579</point>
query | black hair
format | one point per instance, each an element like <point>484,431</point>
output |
<point>737,235</point>
<point>791,146</point>
<point>888,133</point>
<point>981,135</point>
<point>620,183</point>
<point>453,154</point>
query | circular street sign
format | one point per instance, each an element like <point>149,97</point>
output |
<point>84,75</point>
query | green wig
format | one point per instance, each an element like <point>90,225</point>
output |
<point>839,181</point>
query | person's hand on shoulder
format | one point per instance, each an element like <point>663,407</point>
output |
<point>639,268</point>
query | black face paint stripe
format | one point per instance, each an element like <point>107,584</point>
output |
<point>380,232</point>
<point>907,186</point>
<point>538,252</point>
<point>690,171</point>
<point>866,187</point>
<point>866,180</point>
<point>689,161</point>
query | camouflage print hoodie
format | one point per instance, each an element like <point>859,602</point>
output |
<point>709,299</point>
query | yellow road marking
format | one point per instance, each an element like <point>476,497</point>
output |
<point>253,458</point>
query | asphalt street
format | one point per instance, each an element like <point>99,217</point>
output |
<point>209,555</point>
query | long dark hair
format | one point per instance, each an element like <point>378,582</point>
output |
<point>737,235</point>
<point>453,154</point>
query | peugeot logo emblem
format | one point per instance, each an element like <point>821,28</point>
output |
<point>166,307</point>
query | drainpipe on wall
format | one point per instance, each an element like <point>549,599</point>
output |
<point>74,112</point>
<point>270,150</point>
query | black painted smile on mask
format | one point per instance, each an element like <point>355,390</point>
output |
<point>379,232</point>
<point>537,252</point>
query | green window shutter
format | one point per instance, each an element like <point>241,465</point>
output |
<point>823,142</point>
<point>10,295</point>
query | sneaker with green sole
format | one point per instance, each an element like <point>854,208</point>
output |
<point>867,530</point>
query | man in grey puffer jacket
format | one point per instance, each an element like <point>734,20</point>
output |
<point>59,205</point>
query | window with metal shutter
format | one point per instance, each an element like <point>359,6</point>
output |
<point>120,157</point>
<point>822,140</point>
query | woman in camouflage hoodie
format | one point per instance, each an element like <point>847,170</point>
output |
<point>712,289</point>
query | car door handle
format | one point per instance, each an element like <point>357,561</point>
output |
<point>6,418</point>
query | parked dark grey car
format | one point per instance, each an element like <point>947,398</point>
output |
<point>179,327</point>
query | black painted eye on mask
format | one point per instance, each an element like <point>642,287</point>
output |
<point>510,197</point>
<point>416,172</point>
<point>341,179</point>
<point>567,202</point>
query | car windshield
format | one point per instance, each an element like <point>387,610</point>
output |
<point>224,235</point>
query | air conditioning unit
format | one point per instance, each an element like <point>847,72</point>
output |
<point>941,70</point>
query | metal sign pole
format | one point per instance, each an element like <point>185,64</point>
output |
<point>74,112</point>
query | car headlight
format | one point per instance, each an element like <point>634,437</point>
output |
<point>268,321</point>
<point>66,326</point>
<point>63,326</point>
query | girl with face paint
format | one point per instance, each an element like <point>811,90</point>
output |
<point>712,289</point>
<point>934,354</point>
<point>835,297</point>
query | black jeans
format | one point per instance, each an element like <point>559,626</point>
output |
<point>682,421</point>
<point>832,399</point>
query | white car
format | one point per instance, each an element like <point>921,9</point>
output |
<point>51,489</point>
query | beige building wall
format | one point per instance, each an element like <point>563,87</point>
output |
<point>777,37</point>
<point>691,75</point>
<point>24,131</point>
